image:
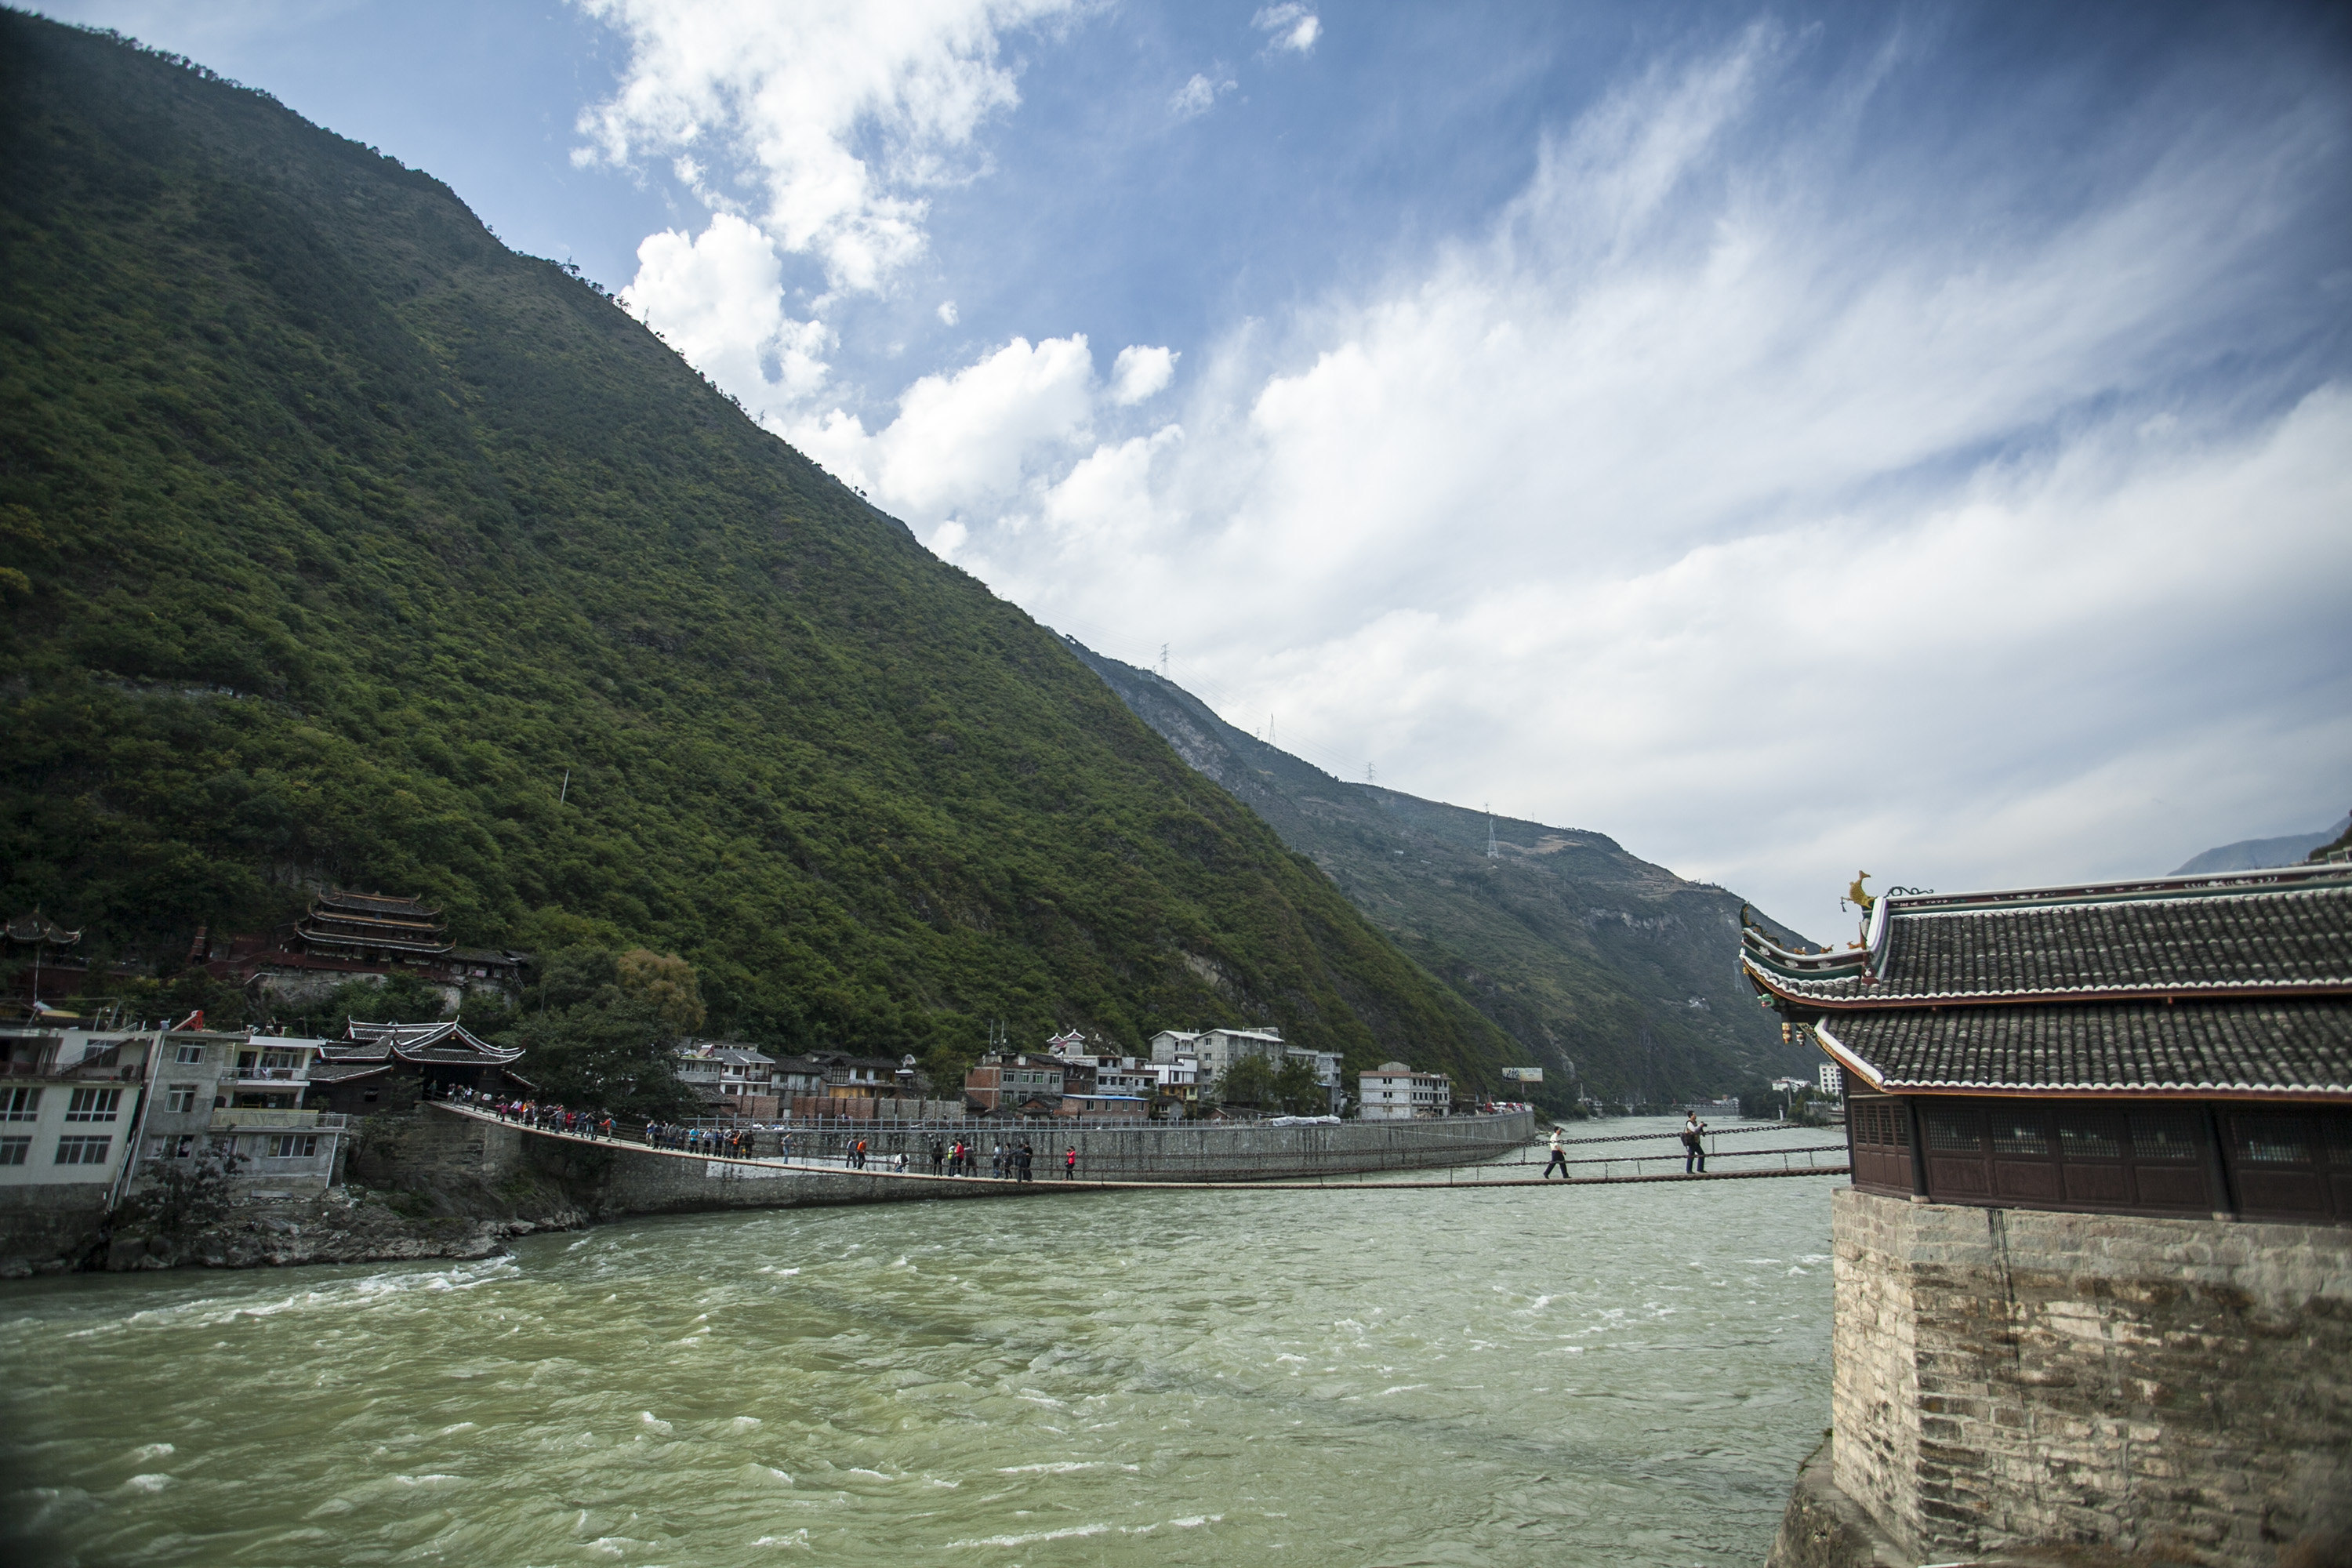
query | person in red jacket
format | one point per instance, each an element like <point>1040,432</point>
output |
<point>1070,1164</point>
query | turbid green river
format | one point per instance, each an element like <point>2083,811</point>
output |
<point>1611,1376</point>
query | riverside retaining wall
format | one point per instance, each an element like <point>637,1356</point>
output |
<point>444,1149</point>
<point>2177,1390</point>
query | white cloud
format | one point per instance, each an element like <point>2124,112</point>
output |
<point>948,311</point>
<point>1772,522</point>
<point>1197,96</point>
<point>1139,372</point>
<point>838,116</point>
<point>718,299</point>
<point>966,439</point>
<point>1292,25</point>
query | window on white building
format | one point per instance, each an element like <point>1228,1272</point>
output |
<point>181,1100</point>
<point>83,1151</point>
<point>20,1105</point>
<point>293,1145</point>
<point>92,1105</point>
<point>188,1055</point>
<point>15,1150</point>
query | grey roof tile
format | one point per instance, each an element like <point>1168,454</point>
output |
<point>2181,942</point>
<point>2301,1045</point>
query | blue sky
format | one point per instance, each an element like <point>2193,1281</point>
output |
<point>1789,438</point>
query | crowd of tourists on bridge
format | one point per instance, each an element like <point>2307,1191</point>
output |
<point>1014,1161</point>
<point>549,1117</point>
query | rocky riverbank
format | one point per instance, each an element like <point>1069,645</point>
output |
<point>347,1224</point>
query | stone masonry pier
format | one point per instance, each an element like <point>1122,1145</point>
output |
<point>2013,1382</point>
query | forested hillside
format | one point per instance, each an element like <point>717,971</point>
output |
<point>1582,952</point>
<point>338,537</point>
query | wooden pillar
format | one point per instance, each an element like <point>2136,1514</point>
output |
<point>2216,1165</point>
<point>1918,1146</point>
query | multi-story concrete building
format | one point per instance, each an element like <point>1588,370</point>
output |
<point>86,1116</point>
<point>214,1095</point>
<point>69,1105</point>
<point>1177,1079</point>
<point>1832,1078</point>
<point>730,1079</point>
<point>1024,1082</point>
<point>1219,1049</point>
<point>1396,1092</point>
<point>1214,1052</point>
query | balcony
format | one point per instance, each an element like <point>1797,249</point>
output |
<point>246,1118</point>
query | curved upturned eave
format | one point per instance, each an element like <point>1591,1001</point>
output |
<point>2199,990</point>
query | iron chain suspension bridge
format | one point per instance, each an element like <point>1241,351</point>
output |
<point>828,1147</point>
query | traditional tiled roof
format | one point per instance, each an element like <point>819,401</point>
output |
<point>2270,933</point>
<point>2235,985</point>
<point>340,919</point>
<point>503,957</point>
<point>448,1043</point>
<point>2292,1048</point>
<point>38,927</point>
<point>327,1070</point>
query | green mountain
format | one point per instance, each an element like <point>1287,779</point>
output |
<point>342,544</point>
<point>1582,952</point>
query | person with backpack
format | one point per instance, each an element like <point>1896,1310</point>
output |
<point>1693,1146</point>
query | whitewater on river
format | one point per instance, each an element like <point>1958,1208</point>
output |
<point>1620,1375</point>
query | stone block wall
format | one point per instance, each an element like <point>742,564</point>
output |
<point>2179,1389</point>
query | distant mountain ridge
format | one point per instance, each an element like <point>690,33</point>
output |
<point>1579,951</point>
<point>342,544</point>
<point>2256,854</point>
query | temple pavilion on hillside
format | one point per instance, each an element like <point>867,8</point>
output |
<point>346,934</point>
<point>389,1066</point>
<point>372,927</point>
<point>2174,1047</point>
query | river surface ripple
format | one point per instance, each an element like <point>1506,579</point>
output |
<point>1601,1376</point>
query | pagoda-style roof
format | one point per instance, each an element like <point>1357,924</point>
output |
<point>38,927</point>
<point>339,919</point>
<point>2272,934</point>
<point>380,906</point>
<point>383,1044</point>
<point>2237,986</point>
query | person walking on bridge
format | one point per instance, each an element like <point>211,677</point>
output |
<point>1070,1164</point>
<point>1558,1156</point>
<point>1694,1145</point>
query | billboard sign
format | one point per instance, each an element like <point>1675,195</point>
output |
<point>1524,1075</point>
